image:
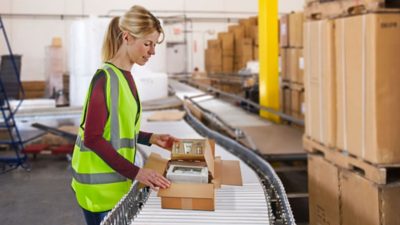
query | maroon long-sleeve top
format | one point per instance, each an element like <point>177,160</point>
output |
<point>96,118</point>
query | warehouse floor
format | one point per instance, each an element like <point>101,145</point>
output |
<point>40,197</point>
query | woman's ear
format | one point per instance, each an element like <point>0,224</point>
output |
<point>125,36</point>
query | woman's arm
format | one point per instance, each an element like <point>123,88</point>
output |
<point>95,121</point>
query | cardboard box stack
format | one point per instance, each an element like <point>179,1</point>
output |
<point>213,56</point>
<point>352,100</point>
<point>292,64</point>
<point>33,89</point>
<point>236,47</point>
<point>228,54</point>
<point>340,196</point>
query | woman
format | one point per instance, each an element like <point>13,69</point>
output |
<point>105,149</point>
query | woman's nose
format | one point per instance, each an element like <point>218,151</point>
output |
<point>152,51</point>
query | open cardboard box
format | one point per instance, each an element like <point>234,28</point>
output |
<point>196,196</point>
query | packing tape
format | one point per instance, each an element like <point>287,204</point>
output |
<point>187,203</point>
<point>363,85</point>
<point>344,86</point>
<point>320,84</point>
<point>308,81</point>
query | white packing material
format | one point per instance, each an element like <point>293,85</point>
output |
<point>85,55</point>
<point>187,174</point>
<point>150,85</point>
<point>29,104</point>
<point>85,58</point>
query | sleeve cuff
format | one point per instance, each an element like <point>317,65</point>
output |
<point>144,138</point>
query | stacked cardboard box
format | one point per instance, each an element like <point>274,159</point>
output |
<point>292,63</point>
<point>367,92</point>
<point>213,56</point>
<point>339,196</point>
<point>320,81</point>
<point>236,47</point>
<point>33,89</point>
<point>351,75</point>
<point>352,102</point>
<point>227,41</point>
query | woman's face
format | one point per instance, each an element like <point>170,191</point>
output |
<point>141,49</point>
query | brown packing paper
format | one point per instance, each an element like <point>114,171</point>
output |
<point>166,115</point>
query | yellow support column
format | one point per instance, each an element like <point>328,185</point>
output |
<point>268,56</point>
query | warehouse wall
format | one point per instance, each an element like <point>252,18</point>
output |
<point>32,24</point>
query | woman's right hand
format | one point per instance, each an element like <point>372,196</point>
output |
<point>152,179</point>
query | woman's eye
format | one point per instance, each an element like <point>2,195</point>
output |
<point>147,45</point>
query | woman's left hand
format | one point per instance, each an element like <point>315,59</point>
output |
<point>163,140</point>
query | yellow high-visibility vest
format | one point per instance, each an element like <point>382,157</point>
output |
<point>97,186</point>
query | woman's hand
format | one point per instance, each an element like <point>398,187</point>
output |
<point>163,140</point>
<point>152,179</point>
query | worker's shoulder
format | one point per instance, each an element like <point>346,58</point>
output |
<point>99,77</point>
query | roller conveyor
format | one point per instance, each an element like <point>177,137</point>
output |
<point>234,205</point>
<point>247,204</point>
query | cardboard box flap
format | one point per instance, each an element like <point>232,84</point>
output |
<point>156,162</point>
<point>217,168</point>
<point>230,173</point>
<point>186,190</point>
<point>209,157</point>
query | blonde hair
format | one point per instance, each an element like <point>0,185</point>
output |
<point>137,21</point>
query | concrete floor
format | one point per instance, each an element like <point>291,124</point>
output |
<point>42,196</point>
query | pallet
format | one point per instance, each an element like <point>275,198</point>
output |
<point>342,8</point>
<point>380,174</point>
<point>292,85</point>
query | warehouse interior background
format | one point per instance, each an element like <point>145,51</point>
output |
<point>295,101</point>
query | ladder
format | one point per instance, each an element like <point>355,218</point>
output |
<point>17,158</point>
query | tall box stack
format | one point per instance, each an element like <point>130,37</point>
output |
<point>292,61</point>
<point>227,44</point>
<point>213,56</point>
<point>238,35</point>
<point>368,50</point>
<point>320,80</point>
<point>237,46</point>
<point>243,52</point>
<point>352,103</point>
<point>247,49</point>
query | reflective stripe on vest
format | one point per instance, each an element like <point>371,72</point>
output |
<point>114,107</point>
<point>121,143</point>
<point>98,178</point>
